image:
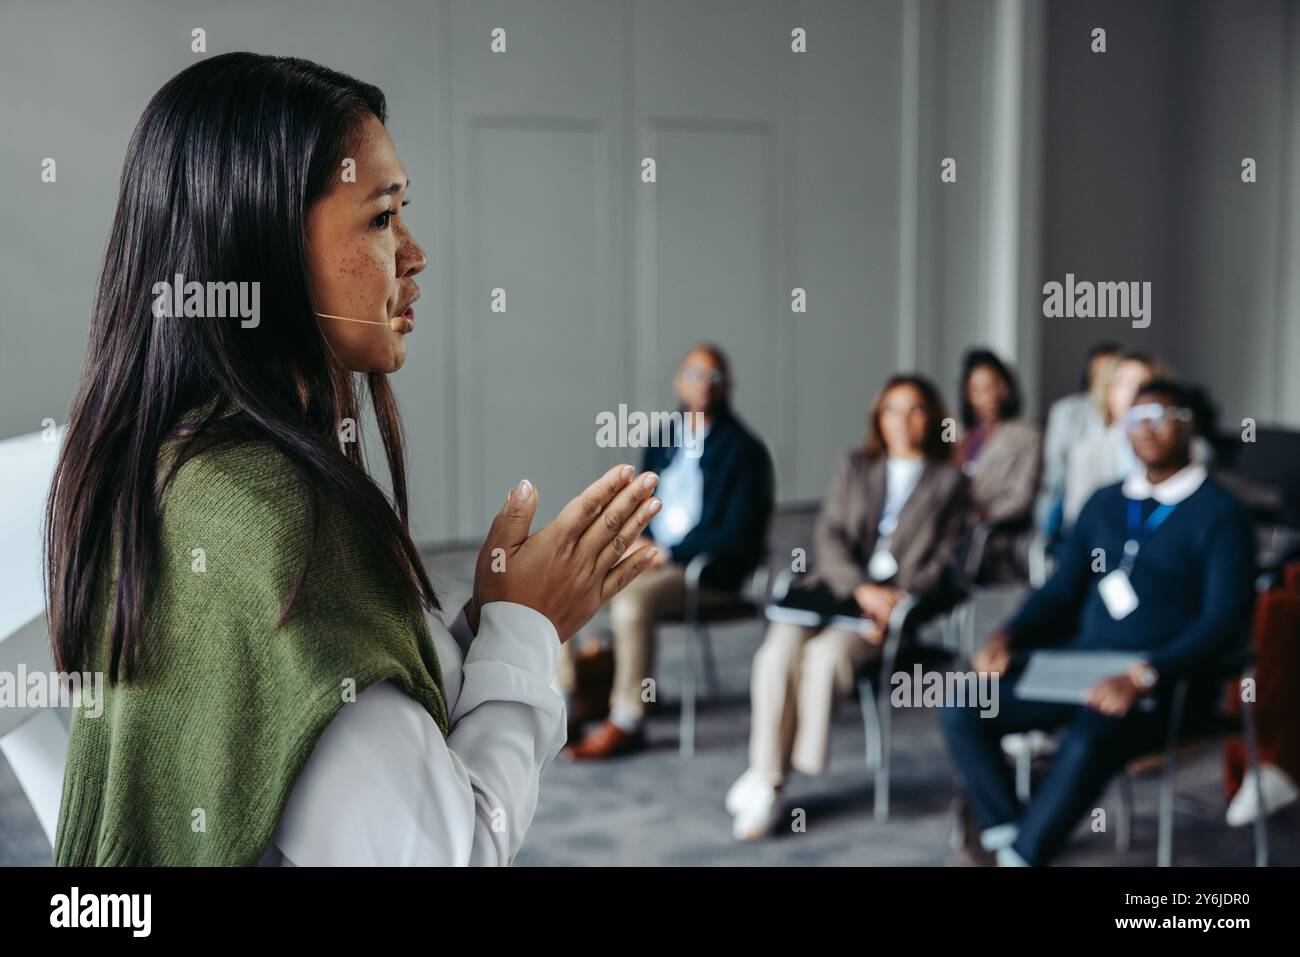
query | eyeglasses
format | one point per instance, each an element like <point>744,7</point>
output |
<point>712,377</point>
<point>1155,415</point>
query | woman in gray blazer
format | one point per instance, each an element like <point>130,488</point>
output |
<point>1002,455</point>
<point>888,527</point>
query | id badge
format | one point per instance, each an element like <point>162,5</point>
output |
<point>1117,594</point>
<point>883,566</point>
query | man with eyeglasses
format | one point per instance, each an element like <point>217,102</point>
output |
<point>716,486</point>
<point>1161,565</point>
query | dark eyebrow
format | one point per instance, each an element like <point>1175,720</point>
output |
<point>390,189</point>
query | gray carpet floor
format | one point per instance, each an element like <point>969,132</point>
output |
<point>655,808</point>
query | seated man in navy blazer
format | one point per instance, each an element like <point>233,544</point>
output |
<point>717,487</point>
<point>1161,564</point>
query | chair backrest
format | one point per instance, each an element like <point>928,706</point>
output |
<point>34,740</point>
<point>987,610</point>
<point>1270,462</point>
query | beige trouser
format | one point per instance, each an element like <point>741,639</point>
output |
<point>633,612</point>
<point>799,674</point>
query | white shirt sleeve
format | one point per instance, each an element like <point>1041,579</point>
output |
<point>383,787</point>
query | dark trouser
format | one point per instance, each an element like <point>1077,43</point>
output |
<point>1092,749</point>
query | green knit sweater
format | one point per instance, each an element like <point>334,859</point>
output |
<point>191,762</point>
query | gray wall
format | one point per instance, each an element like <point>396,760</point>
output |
<point>1143,152</point>
<point>775,170</point>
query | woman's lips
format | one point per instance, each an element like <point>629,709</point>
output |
<point>409,316</point>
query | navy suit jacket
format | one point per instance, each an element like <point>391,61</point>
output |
<point>739,491</point>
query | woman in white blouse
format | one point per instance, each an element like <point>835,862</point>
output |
<point>296,700</point>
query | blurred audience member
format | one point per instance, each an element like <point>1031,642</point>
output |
<point>1107,458</point>
<point>717,492</point>
<point>1001,453</point>
<point>1161,565</point>
<point>888,527</point>
<point>1277,702</point>
<point>1073,419</point>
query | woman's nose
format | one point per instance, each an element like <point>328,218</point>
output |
<point>410,257</point>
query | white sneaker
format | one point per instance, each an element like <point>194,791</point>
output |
<point>1279,791</point>
<point>1008,857</point>
<point>758,812</point>
<point>739,791</point>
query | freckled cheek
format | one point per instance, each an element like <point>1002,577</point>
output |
<point>361,280</point>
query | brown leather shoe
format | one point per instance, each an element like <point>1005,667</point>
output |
<point>573,731</point>
<point>607,741</point>
<point>593,677</point>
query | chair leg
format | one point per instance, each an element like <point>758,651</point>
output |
<point>1165,847</point>
<point>959,622</point>
<point>883,717</point>
<point>958,825</point>
<point>969,622</point>
<point>710,665</point>
<point>1123,812</point>
<point>870,722</point>
<point>1024,767</point>
<point>885,711</point>
<point>686,733</point>
<point>1252,762</point>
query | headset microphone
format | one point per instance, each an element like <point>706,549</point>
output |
<point>396,324</point>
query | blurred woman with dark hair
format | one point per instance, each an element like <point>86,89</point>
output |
<point>1001,454</point>
<point>888,527</point>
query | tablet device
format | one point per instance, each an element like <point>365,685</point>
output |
<point>1068,676</point>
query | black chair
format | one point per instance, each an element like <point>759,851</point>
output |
<point>877,713</point>
<point>1025,748</point>
<point>1236,667</point>
<point>749,602</point>
<point>950,631</point>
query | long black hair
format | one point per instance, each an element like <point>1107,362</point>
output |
<point>219,176</point>
<point>987,359</point>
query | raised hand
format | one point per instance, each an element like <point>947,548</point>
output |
<point>566,571</point>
